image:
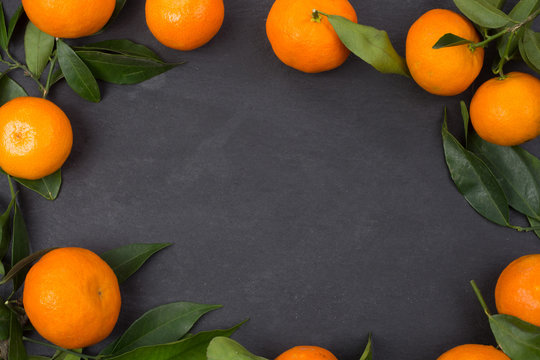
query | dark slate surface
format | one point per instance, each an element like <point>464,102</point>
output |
<point>319,206</point>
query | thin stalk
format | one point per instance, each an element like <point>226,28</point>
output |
<point>504,58</point>
<point>84,356</point>
<point>524,229</point>
<point>480,298</point>
<point>18,65</point>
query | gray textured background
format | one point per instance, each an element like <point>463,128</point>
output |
<point>319,206</point>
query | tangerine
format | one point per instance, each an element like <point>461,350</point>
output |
<point>184,24</point>
<point>72,298</point>
<point>35,137</point>
<point>69,18</point>
<point>473,352</point>
<point>447,71</point>
<point>305,40</point>
<point>517,292</point>
<point>306,353</point>
<point>506,111</point>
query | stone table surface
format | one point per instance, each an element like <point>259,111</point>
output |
<point>319,206</point>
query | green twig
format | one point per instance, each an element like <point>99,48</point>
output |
<point>524,229</point>
<point>511,29</point>
<point>15,64</point>
<point>504,57</point>
<point>480,298</point>
<point>84,356</point>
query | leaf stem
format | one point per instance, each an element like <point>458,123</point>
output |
<point>480,298</point>
<point>84,356</point>
<point>524,229</point>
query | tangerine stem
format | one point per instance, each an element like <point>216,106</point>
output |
<point>315,16</point>
<point>480,298</point>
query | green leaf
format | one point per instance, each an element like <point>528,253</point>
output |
<point>516,170</point>
<point>483,13</point>
<point>517,338</point>
<point>20,246</point>
<point>536,224</point>
<point>529,47</point>
<point>497,3</point>
<point>9,89</point>
<point>449,39</point>
<point>125,47</point>
<point>57,76</point>
<point>3,30</point>
<point>192,348</point>
<point>13,22</point>
<point>369,44</point>
<point>77,74</point>
<point>37,357</point>
<point>474,180</point>
<point>48,187</point>
<point>118,7</point>
<point>223,348</point>
<point>22,266</point>
<point>5,237</point>
<point>126,260</point>
<point>163,324</point>
<point>16,346</point>
<point>5,318</point>
<point>368,352</point>
<point>520,12</point>
<point>62,355</point>
<point>122,69</point>
<point>38,48</point>
<point>465,116</point>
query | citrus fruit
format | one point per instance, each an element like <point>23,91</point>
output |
<point>71,297</point>
<point>446,71</point>
<point>518,289</point>
<point>184,24</point>
<point>306,353</point>
<point>473,352</point>
<point>69,18</point>
<point>35,137</point>
<point>304,40</point>
<point>507,111</point>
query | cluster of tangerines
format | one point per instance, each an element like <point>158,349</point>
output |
<point>37,139</point>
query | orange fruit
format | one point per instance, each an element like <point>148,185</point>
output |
<point>447,71</point>
<point>71,297</point>
<point>69,18</point>
<point>184,24</point>
<point>35,137</point>
<point>303,42</point>
<point>518,289</point>
<point>473,352</point>
<point>306,353</point>
<point>507,111</point>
